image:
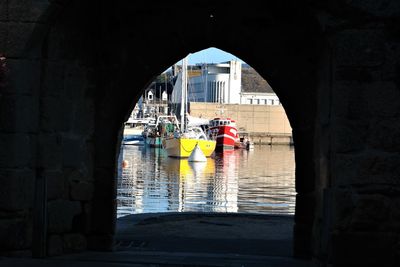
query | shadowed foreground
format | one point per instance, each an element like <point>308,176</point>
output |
<point>190,239</point>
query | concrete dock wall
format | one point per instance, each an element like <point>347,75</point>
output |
<point>266,124</point>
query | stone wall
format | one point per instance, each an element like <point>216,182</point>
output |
<point>76,69</point>
<point>364,140</point>
<point>19,123</point>
<point>46,140</point>
<point>255,119</point>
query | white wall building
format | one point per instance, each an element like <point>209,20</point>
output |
<point>218,83</point>
<point>259,98</point>
<point>164,96</point>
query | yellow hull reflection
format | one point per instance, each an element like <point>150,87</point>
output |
<point>178,166</point>
<point>185,168</point>
<point>183,147</point>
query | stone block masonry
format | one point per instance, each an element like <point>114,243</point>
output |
<point>72,80</point>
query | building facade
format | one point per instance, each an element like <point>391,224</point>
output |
<point>222,83</point>
<point>259,98</point>
<point>217,83</point>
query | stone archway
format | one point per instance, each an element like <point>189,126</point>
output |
<point>279,57</point>
<point>91,67</point>
<point>74,73</point>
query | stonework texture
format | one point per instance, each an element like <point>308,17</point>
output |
<point>68,80</point>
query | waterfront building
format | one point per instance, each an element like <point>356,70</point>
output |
<point>257,98</point>
<point>224,83</point>
<point>229,83</point>
<point>153,101</point>
<point>217,83</point>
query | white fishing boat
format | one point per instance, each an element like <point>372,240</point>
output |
<point>137,140</point>
<point>133,136</point>
<point>243,141</point>
<point>164,126</point>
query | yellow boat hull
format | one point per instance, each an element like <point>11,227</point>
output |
<point>187,169</point>
<point>183,147</point>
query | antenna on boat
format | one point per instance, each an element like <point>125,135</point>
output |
<point>184,93</point>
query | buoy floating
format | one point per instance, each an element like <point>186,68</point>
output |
<point>125,163</point>
<point>197,155</point>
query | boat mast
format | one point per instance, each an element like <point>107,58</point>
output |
<point>184,94</point>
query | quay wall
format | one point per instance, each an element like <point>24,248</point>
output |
<point>266,124</point>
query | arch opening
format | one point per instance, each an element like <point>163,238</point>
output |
<point>97,92</point>
<point>151,183</point>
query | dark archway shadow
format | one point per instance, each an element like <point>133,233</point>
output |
<point>113,46</point>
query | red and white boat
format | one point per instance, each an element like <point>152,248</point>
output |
<point>224,131</point>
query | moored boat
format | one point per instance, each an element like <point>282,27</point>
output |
<point>225,133</point>
<point>243,141</point>
<point>182,143</point>
<point>133,140</point>
<point>163,126</point>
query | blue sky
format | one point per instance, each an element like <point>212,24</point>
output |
<point>211,55</point>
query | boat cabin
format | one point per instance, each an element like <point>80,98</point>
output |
<point>220,122</point>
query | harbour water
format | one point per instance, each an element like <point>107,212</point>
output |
<point>256,181</point>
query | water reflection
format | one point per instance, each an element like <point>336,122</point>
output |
<point>260,181</point>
